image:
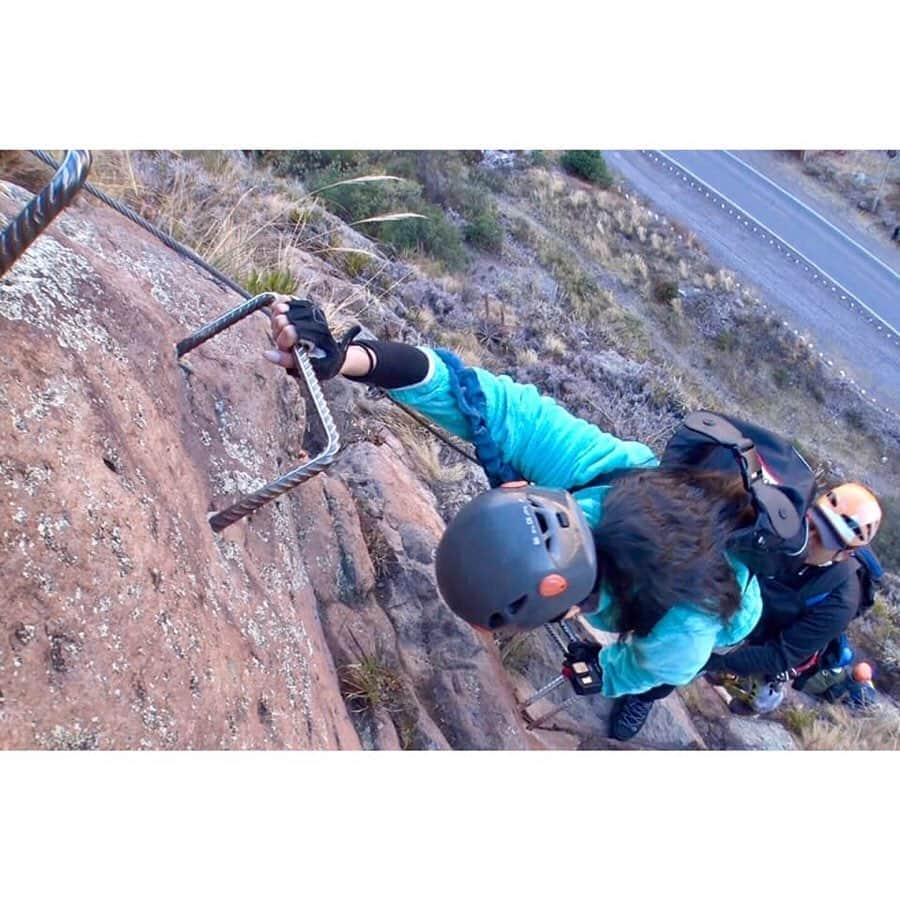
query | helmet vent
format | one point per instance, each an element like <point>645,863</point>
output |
<point>541,520</point>
<point>516,605</point>
<point>496,621</point>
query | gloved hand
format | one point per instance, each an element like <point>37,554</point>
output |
<point>304,321</point>
<point>581,665</point>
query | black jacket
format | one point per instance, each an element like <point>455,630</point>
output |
<point>789,631</point>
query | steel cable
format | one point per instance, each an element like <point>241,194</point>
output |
<point>180,248</point>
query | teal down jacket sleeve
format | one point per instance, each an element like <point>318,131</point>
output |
<point>549,446</point>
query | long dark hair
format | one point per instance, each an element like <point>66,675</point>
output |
<point>661,541</point>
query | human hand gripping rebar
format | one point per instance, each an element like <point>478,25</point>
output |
<point>251,502</point>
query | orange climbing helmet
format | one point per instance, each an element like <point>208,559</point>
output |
<point>862,672</point>
<point>846,517</point>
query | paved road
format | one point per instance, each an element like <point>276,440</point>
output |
<point>847,262</point>
<point>843,330</point>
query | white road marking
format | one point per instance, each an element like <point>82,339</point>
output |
<point>821,218</point>
<point>787,244</point>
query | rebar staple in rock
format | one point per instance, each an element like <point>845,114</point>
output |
<point>44,207</point>
<point>251,502</point>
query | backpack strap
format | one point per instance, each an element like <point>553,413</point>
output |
<point>769,500</point>
<point>867,558</point>
<point>719,430</point>
<point>472,404</point>
<point>819,588</point>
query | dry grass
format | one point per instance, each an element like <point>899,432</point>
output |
<point>555,345</point>
<point>254,227</point>
<point>372,683</point>
<point>516,653</point>
<point>429,460</point>
<point>464,344</point>
<point>425,452</point>
<point>835,727</point>
<point>209,201</point>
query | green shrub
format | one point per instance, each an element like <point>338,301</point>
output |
<point>781,377</point>
<point>306,163</point>
<point>887,542</point>
<point>725,341</point>
<point>278,280</point>
<point>485,232</point>
<point>587,164</point>
<point>664,291</point>
<point>433,235</point>
<point>855,419</point>
<point>539,159</point>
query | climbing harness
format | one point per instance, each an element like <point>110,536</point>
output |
<point>42,209</point>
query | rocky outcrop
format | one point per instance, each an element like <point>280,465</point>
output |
<point>126,622</point>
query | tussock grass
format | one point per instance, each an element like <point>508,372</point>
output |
<point>464,344</point>
<point>516,653</point>
<point>421,317</point>
<point>835,727</point>
<point>555,345</point>
<point>428,455</point>
<point>372,683</point>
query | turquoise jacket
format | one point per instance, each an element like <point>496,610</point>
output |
<point>549,446</point>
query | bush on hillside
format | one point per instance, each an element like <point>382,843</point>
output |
<point>587,164</point>
<point>434,235</point>
<point>887,542</point>
<point>664,291</point>
<point>484,231</point>
<point>306,163</point>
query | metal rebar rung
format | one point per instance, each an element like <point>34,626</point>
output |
<point>542,692</point>
<point>226,320</point>
<point>569,631</point>
<point>44,207</point>
<point>557,639</point>
<point>530,726</point>
<point>251,502</point>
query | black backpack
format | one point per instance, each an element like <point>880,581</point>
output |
<point>778,478</point>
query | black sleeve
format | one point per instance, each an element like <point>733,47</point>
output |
<point>798,642</point>
<point>398,365</point>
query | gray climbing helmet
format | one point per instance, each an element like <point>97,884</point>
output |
<point>516,557</point>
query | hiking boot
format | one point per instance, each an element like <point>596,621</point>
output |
<point>741,708</point>
<point>628,716</point>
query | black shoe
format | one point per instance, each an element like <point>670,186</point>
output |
<point>741,708</point>
<point>628,716</point>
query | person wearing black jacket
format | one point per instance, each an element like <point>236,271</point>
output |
<point>805,610</point>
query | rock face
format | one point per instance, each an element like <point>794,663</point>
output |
<point>125,621</point>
